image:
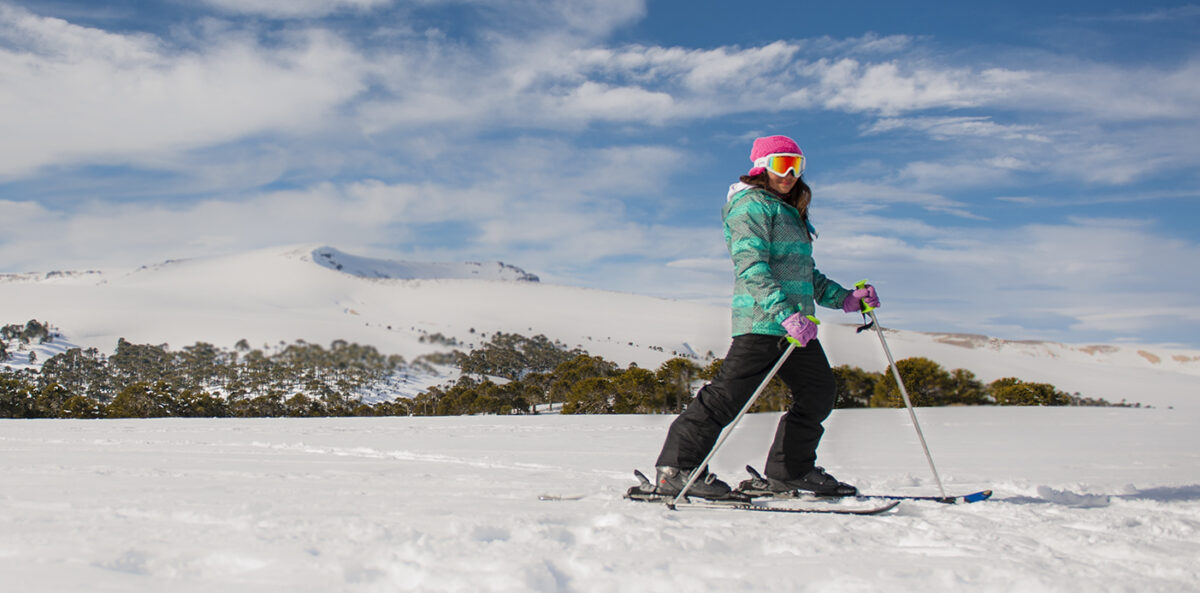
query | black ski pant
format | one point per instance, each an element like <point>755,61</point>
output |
<point>751,356</point>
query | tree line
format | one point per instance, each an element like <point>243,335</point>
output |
<point>202,380</point>
<point>509,374</point>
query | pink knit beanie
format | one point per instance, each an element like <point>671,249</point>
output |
<point>769,145</point>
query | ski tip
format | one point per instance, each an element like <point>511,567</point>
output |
<point>966,498</point>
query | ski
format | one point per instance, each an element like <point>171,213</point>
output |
<point>756,487</point>
<point>759,507</point>
<point>553,497</point>
<point>961,498</point>
<point>645,492</point>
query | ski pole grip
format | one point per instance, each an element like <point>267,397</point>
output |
<point>865,307</point>
<point>794,341</point>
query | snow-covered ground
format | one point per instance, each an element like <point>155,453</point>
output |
<point>1085,499</point>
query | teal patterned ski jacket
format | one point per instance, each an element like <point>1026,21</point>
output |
<point>775,276</point>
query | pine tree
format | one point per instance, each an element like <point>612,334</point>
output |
<point>967,390</point>
<point>78,406</point>
<point>302,406</point>
<point>854,386</point>
<point>1011,391</point>
<point>80,372</point>
<point>16,395</point>
<point>50,401</point>
<point>676,377</point>
<point>143,400</point>
<point>928,384</point>
<point>638,391</point>
<point>573,371</point>
<point>592,395</point>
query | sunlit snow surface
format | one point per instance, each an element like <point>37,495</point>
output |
<point>1086,500</point>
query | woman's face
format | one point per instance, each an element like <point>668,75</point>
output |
<point>781,185</point>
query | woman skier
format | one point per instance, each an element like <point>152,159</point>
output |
<point>776,289</point>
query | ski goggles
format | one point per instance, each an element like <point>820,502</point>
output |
<point>781,164</point>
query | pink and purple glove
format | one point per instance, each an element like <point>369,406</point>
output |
<point>800,328</point>
<point>854,300</point>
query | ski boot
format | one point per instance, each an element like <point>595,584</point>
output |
<point>816,481</point>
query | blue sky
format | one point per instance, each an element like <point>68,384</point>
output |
<point>1026,170</point>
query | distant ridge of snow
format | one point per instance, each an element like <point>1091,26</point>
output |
<point>365,267</point>
<point>59,276</point>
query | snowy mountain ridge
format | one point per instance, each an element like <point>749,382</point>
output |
<point>82,276</point>
<point>385,269</point>
<point>319,294</point>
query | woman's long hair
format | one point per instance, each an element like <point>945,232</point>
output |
<point>799,198</point>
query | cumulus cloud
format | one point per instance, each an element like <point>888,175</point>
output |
<point>80,95</point>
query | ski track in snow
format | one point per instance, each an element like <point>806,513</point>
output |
<point>1086,500</point>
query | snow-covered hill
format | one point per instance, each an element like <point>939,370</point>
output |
<point>376,268</point>
<point>320,294</point>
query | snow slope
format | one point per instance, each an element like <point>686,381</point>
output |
<point>319,294</point>
<point>1097,500</point>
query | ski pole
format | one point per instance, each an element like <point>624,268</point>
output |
<point>792,343</point>
<point>869,310</point>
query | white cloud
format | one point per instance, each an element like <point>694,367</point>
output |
<point>592,101</point>
<point>863,196</point>
<point>294,8</point>
<point>1102,278</point>
<point>957,127</point>
<point>872,43</point>
<point>532,231</point>
<point>523,203</point>
<point>889,88</point>
<point>588,17</point>
<point>947,175</point>
<point>85,95</point>
<point>79,95</point>
<point>1109,92</point>
<point>1173,13</point>
<point>354,214</point>
<point>722,68</point>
